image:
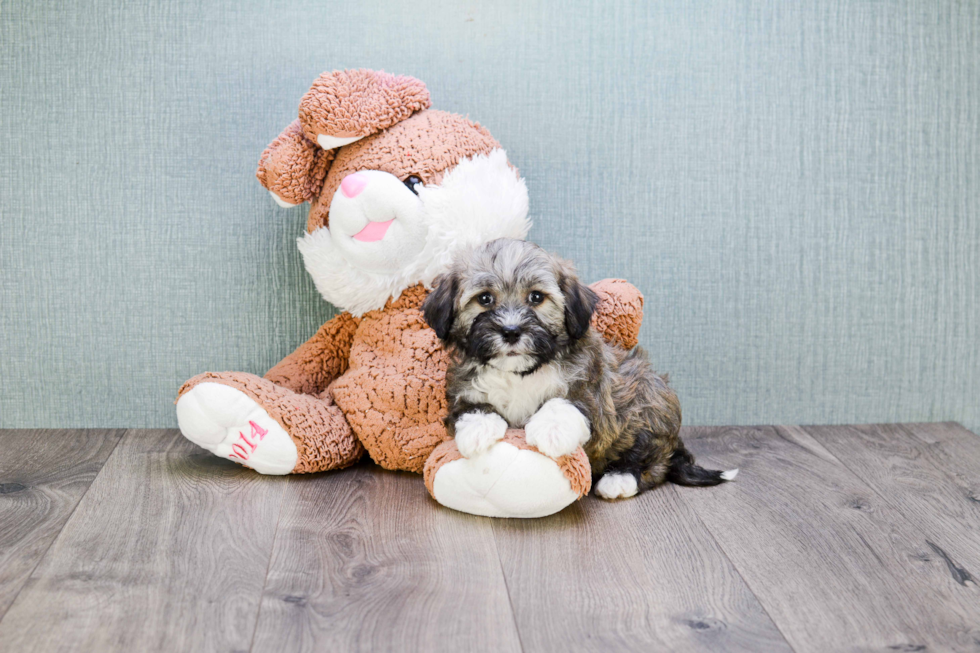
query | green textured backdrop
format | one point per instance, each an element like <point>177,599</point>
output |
<point>793,185</point>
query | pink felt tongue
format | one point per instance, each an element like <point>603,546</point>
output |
<point>373,231</point>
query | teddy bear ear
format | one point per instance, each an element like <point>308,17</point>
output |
<point>346,105</point>
<point>292,168</point>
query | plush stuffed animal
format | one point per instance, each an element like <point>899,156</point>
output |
<point>395,188</point>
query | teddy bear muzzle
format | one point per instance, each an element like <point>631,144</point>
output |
<point>376,221</point>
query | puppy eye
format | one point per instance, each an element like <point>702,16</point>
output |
<point>411,182</point>
<point>485,299</point>
<point>535,298</point>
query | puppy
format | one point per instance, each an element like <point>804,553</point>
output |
<point>516,320</point>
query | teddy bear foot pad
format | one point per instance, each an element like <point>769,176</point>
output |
<point>230,424</point>
<point>511,479</point>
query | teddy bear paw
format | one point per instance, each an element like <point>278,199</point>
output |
<point>510,479</point>
<point>230,424</point>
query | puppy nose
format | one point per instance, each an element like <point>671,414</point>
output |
<point>511,334</point>
<point>352,185</point>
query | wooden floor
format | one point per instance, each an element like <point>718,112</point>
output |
<point>836,538</point>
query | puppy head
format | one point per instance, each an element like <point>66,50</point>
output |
<point>511,305</point>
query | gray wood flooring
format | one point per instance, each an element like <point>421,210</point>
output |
<point>832,538</point>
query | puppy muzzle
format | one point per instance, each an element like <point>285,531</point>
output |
<point>517,338</point>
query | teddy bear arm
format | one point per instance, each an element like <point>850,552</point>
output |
<point>293,168</point>
<point>317,362</point>
<point>619,313</point>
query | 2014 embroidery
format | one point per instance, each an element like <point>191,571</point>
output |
<point>243,451</point>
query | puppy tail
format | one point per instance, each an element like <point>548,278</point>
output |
<point>683,471</point>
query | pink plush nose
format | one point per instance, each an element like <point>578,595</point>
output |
<point>352,185</point>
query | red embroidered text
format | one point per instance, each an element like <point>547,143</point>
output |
<point>244,447</point>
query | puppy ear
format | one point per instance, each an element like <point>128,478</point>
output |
<point>580,303</point>
<point>439,308</point>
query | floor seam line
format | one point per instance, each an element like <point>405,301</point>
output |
<point>914,522</point>
<point>268,567</point>
<point>919,443</point>
<point>738,571</point>
<point>503,575</point>
<point>67,519</point>
<point>914,530</point>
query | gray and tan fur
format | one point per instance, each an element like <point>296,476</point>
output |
<point>516,319</point>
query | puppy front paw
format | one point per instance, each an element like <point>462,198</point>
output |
<point>557,429</point>
<point>477,432</point>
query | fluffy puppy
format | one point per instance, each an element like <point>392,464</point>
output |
<point>516,320</point>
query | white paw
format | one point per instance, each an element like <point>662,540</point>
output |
<point>229,424</point>
<point>557,429</point>
<point>616,486</point>
<point>730,474</point>
<point>477,432</point>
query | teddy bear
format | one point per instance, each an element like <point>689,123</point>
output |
<point>395,189</point>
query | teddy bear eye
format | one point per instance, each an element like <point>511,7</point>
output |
<point>534,298</point>
<point>411,181</point>
<point>485,299</point>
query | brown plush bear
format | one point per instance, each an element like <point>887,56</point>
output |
<point>395,188</point>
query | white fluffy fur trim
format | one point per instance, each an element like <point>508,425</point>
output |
<point>479,200</point>
<point>343,285</point>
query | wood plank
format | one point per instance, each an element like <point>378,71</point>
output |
<point>636,575</point>
<point>928,472</point>
<point>43,475</point>
<point>954,449</point>
<point>167,551</point>
<point>837,567</point>
<point>366,561</point>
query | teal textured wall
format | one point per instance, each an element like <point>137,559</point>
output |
<point>793,185</point>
